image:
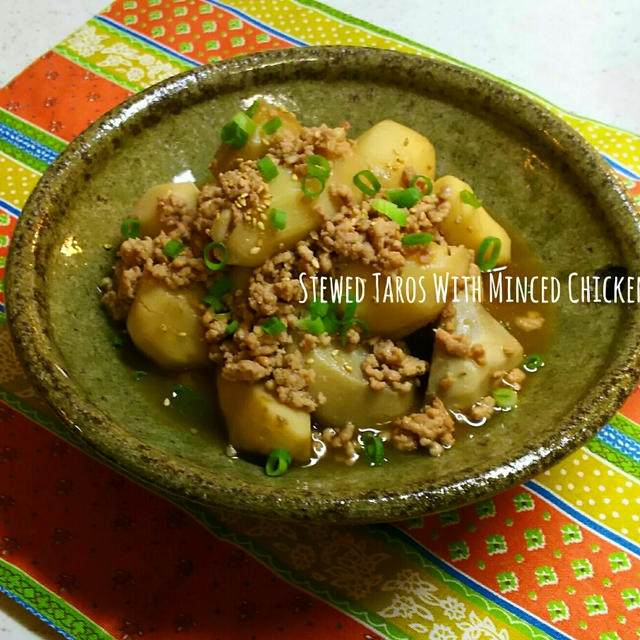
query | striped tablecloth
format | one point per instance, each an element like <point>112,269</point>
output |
<point>100,557</point>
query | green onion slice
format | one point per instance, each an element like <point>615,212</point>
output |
<point>271,126</point>
<point>374,449</point>
<point>251,110</point>
<point>404,197</point>
<point>505,398</point>
<point>373,185</point>
<point>364,324</point>
<point>468,197</point>
<point>236,132</point>
<point>173,249</point>
<point>130,228</point>
<point>392,211</point>
<point>533,362</point>
<point>428,184</point>
<point>278,463</point>
<point>416,239</point>
<point>330,320</point>
<point>318,309</point>
<point>488,253</point>
<point>216,292</point>
<point>231,327</point>
<point>267,168</point>
<point>309,191</point>
<point>209,250</point>
<point>138,375</point>
<point>273,325</point>
<point>312,325</point>
<point>278,218</point>
<point>318,167</point>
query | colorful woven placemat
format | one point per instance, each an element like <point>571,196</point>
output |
<point>100,557</point>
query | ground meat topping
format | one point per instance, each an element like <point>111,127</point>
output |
<point>531,321</point>
<point>342,440</point>
<point>514,378</point>
<point>430,429</point>
<point>391,366</point>
<point>459,346</point>
<point>483,409</point>
<point>325,141</point>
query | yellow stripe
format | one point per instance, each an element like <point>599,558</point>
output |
<point>315,27</point>
<point>17,181</point>
<point>599,490</point>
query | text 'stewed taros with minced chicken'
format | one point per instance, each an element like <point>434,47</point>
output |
<point>331,287</point>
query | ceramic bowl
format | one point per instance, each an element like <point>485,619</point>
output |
<point>546,182</point>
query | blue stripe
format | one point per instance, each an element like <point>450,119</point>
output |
<point>27,144</point>
<point>35,612</point>
<point>620,441</point>
<point>583,519</point>
<point>620,167</point>
<point>10,208</point>
<point>257,23</point>
<point>509,606</point>
<point>149,41</point>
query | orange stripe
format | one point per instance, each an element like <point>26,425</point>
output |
<point>59,96</point>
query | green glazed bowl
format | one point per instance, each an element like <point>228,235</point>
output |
<point>538,173</point>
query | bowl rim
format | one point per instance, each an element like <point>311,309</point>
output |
<point>175,478</point>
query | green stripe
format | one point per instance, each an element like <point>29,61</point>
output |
<point>33,132</point>
<point>622,423</point>
<point>348,19</point>
<point>22,156</point>
<point>49,607</point>
<point>82,62</point>
<point>397,542</point>
<point>614,456</point>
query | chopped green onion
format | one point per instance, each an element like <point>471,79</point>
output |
<point>118,341</point>
<point>138,375</point>
<point>130,228</point>
<point>488,262</point>
<point>312,325</point>
<point>209,249</point>
<point>374,449</point>
<point>368,189</point>
<point>318,309</point>
<point>469,197</point>
<point>533,362</point>
<point>404,197</point>
<point>365,325</point>
<point>505,398</point>
<point>236,132</point>
<point>278,463</point>
<point>273,325</point>
<point>310,192</point>
<point>251,110</point>
<point>173,249</point>
<point>271,126</point>
<point>428,184</point>
<point>330,320</point>
<point>216,292</point>
<point>318,167</point>
<point>231,327</point>
<point>392,211</point>
<point>278,218</point>
<point>416,239</point>
<point>267,168</point>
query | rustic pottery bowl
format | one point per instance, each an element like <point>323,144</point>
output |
<point>541,177</point>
